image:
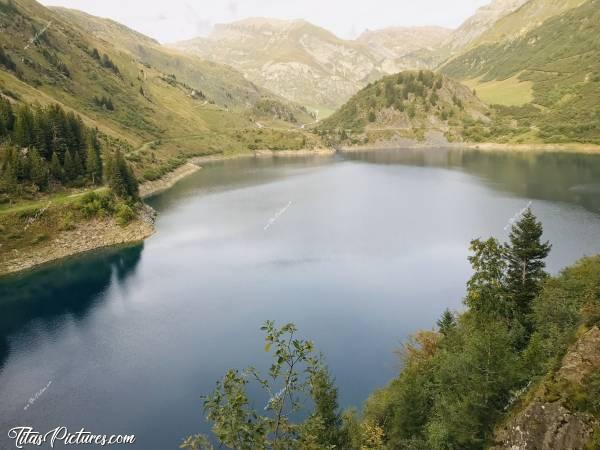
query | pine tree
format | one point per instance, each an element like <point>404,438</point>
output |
<point>78,165</point>
<point>23,128</point>
<point>447,322</point>
<point>9,173</point>
<point>7,117</point>
<point>117,176</point>
<point>38,171</point>
<point>324,395</point>
<point>93,161</point>
<point>525,257</point>
<point>56,171</point>
<point>70,170</point>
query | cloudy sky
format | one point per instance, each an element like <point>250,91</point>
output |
<point>174,20</point>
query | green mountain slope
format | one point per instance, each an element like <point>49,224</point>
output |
<point>180,104</point>
<point>561,62</point>
<point>530,15</point>
<point>405,105</point>
<point>217,82</point>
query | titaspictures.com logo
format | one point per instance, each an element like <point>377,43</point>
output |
<point>27,436</point>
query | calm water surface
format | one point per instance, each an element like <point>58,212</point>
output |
<point>359,251</point>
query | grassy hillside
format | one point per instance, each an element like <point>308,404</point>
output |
<point>530,15</point>
<point>406,105</point>
<point>559,61</point>
<point>166,107</point>
<point>214,82</point>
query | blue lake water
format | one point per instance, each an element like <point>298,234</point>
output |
<point>359,251</point>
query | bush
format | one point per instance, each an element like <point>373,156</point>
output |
<point>124,214</point>
<point>97,204</point>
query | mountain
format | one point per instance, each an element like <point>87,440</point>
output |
<point>548,76</point>
<point>178,103</point>
<point>401,48</point>
<point>308,64</point>
<point>295,59</point>
<point>409,105</point>
<point>530,15</point>
<point>218,82</point>
<point>476,25</point>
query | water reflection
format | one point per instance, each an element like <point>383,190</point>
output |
<point>564,177</point>
<point>69,288</point>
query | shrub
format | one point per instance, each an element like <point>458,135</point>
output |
<point>124,214</point>
<point>97,203</point>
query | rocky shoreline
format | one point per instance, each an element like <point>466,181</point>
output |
<point>86,236</point>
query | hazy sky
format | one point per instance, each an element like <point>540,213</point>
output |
<point>174,20</point>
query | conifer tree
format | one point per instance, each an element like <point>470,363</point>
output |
<point>324,395</point>
<point>7,117</point>
<point>38,170</point>
<point>123,182</point>
<point>56,171</point>
<point>525,255</point>
<point>70,170</point>
<point>78,165</point>
<point>9,174</point>
<point>447,322</point>
<point>23,128</point>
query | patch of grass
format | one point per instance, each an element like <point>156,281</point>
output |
<point>508,92</point>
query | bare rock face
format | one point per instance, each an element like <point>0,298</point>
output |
<point>583,359</point>
<point>545,425</point>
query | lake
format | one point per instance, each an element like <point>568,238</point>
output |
<point>359,250</point>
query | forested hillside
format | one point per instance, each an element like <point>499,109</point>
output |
<point>406,105</point>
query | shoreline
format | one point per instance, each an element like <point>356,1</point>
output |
<point>102,233</point>
<point>87,236</point>
<point>194,164</point>
<point>587,149</point>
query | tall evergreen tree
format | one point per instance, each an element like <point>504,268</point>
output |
<point>70,170</point>
<point>326,411</point>
<point>79,170</point>
<point>121,178</point>
<point>23,128</point>
<point>7,117</point>
<point>447,322</point>
<point>525,255</point>
<point>56,171</point>
<point>38,170</point>
<point>93,160</point>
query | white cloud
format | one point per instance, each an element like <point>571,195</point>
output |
<point>184,19</point>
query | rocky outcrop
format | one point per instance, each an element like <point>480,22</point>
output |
<point>93,234</point>
<point>551,425</point>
